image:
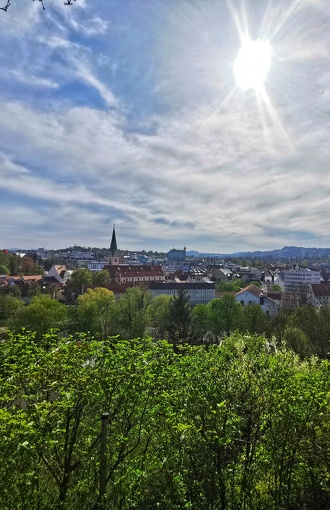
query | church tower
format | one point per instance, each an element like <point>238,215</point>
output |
<point>113,259</point>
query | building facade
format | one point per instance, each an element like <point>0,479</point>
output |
<point>298,280</point>
<point>199,293</point>
<point>177,255</point>
<point>253,295</point>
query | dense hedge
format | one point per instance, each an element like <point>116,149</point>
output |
<point>237,426</point>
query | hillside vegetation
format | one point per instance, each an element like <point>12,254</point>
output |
<point>243,425</point>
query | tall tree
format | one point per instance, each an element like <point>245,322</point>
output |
<point>9,306</point>
<point>296,340</point>
<point>179,318</point>
<point>133,318</point>
<point>200,320</point>
<point>40,316</point>
<point>223,314</point>
<point>101,277</point>
<point>96,313</point>
<point>79,280</point>
<point>253,320</point>
<point>28,267</point>
<point>4,269</point>
<point>158,313</point>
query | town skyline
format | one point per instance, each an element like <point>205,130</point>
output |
<point>137,113</point>
<point>285,253</point>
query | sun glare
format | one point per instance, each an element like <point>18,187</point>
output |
<point>252,64</point>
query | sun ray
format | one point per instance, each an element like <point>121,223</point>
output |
<point>275,119</point>
<point>287,13</point>
<point>253,64</point>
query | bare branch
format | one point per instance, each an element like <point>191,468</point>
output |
<point>6,6</point>
<point>67,2</point>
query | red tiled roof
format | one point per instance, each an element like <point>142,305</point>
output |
<point>221,293</point>
<point>251,288</point>
<point>116,288</point>
<point>178,285</point>
<point>274,295</point>
<point>123,271</point>
<point>321,289</point>
<point>60,269</point>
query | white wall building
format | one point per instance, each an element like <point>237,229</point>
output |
<point>319,294</point>
<point>97,265</point>
<point>199,293</point>
<point>298,280</point>
<point>252,295</point>
<point>59,272</point>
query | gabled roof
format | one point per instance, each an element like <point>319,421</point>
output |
<point>116,288</point>
<point>51,280</point>
<point>325,275</point>
<point>180,285</point>
<point>35,277</point>
<point>61,269</point>
<point>220,294</point>
<point>123,271</point>
<point>251,288</point>
<point>321,289</point>
<point>274,295</point>
<point>226,270</point>
<point>182,277</point>
<point>258,293</point>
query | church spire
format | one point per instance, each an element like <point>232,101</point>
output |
<point>113,260</point>
<point>113,245</point>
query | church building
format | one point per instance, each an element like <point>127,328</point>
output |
<point>134,274</point>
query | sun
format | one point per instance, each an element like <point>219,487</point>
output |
<point>252,64</point>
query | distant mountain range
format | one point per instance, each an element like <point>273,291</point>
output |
<point>287,252</point>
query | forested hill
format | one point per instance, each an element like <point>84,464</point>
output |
<point>287,252</point>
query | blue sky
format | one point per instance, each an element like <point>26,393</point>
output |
<point>128,111</point>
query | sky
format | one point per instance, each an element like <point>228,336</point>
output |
<point>131,112</point>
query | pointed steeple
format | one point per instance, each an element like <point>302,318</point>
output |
<point>113,245</point>
<point>113,259</point>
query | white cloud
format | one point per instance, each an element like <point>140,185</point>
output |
<point>33,80</point>
<point>20,19</point>
<point>216,167</point>
<point>85,73</point>
<point>94,26</point>
<point>185,174</point>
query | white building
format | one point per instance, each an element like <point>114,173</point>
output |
<point>199,293</point>
<point>59,272</point>
<point>97,265</point>
<point>252,295</point>
<point>319,294</point>
<point>298,280</point>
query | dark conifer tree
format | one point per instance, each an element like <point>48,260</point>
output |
<point>179,322</point>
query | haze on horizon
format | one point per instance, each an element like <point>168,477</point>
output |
<point>196,123</point>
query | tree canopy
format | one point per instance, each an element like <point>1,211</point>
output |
<point>241,425</point>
